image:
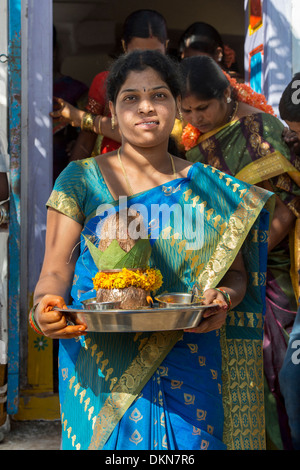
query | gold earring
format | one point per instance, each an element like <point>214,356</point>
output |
<point>179,114</point>
<point>123,45</point>
<point>113,122</point>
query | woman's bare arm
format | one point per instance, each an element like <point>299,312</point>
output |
<point>282,222</point>
<point>53,287</point>
<point>86,140</point>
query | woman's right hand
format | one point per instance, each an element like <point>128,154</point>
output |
<point>53,323</point>
<point>67,112</point>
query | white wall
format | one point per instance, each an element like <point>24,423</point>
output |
<point>3,232</point>
<point>295,23</point>
<point>280,36</point>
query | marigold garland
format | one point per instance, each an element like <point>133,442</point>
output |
<point>244,94</point>
<point>148,279</point>
<point>190,135</point>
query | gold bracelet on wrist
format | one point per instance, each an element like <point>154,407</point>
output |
<point>226,297</point>
<point>87,122</point>
<point>33,322</point>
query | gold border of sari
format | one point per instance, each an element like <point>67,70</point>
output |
<point>240,352</point>
<point>243,394</point>
<point>295,259</point>
<point>272,164</point>
<point>234,234</point>
<point>269,166</point>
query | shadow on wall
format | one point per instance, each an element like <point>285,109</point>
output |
<point>279,39</point>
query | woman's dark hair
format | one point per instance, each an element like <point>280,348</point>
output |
<point>203,78</point>
<point>138,61</point>
<point>145,24</point>
<point>289,105</point>
<point>202,37</point>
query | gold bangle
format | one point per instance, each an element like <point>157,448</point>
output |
<point>226,296</point>
<point>87,122</point>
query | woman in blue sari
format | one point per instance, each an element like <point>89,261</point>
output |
<point>200,388</point>
<point>243,141</point>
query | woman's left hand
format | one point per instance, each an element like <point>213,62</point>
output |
<point>292,140</point>
<point>213,317</point>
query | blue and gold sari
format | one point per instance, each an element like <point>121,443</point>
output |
<point>170,390</point>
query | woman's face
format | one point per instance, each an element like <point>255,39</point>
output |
<point>143,44</point>
<point>205,115</point>
<point>145,109</point>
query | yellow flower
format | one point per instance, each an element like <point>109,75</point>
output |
<point>149,279</point>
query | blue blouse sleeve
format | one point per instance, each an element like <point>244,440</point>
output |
<point>69,192</point>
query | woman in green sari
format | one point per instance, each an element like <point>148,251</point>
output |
<point>241,141</point>
<point>193,389</point>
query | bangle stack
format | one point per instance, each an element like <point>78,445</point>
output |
<point>87,122</point>
<point>3,215</point>
<point>32,321</point>
<point>226,297</point>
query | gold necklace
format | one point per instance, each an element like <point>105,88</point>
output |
<point>126,177</point>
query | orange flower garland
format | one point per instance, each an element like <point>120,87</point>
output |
<point>244,94</point>
<point>190,135</point>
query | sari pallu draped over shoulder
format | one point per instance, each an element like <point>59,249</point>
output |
<point>173,389</point>
<point>252,149</point>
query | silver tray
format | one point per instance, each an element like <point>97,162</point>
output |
<point>148,319</point>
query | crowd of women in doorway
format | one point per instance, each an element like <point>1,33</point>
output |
<point>198,128</point>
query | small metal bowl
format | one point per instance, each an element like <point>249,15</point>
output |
<point>174,299</point>
<point>92,304</point>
